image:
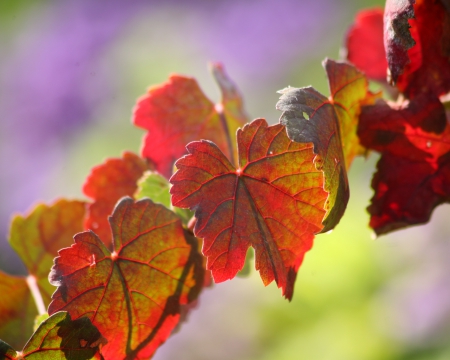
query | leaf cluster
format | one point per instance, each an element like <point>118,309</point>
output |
<point>131,261</point>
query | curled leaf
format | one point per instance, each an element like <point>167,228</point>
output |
<point>330,124</point>
<point>417,39</point>
<point>397,36</point>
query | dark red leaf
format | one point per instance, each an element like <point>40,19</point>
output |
<point>365,46</point>
<point>273,202</point>
<point>133,294</point>
<point>425,66</point>
<point>413,174</point>
<point>106,184</point>
<point>397,37</point>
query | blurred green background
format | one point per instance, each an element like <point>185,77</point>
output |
<point>70,73</point>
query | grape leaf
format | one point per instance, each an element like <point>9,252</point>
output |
<point>413,174</point>
<point>17,310</point>
<point>417,39</point>
<point>330,124</point>
<point>59,338</point>
<point>364,44</point>
<point>272,202</point>
<point>133,294</point>
<point>106,184</point>
<point>397,37</point>
<point>156,187</point>
<point>178,112</point>
<point>36,238</point>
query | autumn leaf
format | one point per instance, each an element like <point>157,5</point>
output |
<point>413,174</point>
<point>177,112</point>
<point>273,202</point>
<point>417,39</point>
<point>364,44</point>
<point>106,184</point>
<point>17,310</point>
<point>397,37</point>
<point>36,238</point>
<point>59,338</point>
<point>330,124</point>
<point>133,294</point>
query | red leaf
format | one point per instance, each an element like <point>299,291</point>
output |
<point>133,294</point>
<point>413,174</point>
<point>364,43</point>
<point>273,202</point>
<point>418,57</point>
<point>177,112</point>
<point>397,37</point>
<point>106,184</point>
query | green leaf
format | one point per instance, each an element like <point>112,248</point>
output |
<point>59,338</point>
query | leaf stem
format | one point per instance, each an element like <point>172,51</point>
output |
<point>32,284</point>
<point>224,124</point>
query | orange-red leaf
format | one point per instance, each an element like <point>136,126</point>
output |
<point>106,184</point>
<point>417,40</point>
<point>133,294</point>
<point>177,112</point>
<point>273,202</point>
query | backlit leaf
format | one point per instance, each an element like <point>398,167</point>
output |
<point>272,202</point>
<point>133,294</point>
<point>364,44</point>
<point>106,184</point>
<point>17,310</point>
<point>59,338</point>
<point>177,112</point>
<point>417,39</point>
<point>156,187</point>
<point>330,124</point>
<point>413,174</point>
<point>36,238</point>
<point>397,37</point>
